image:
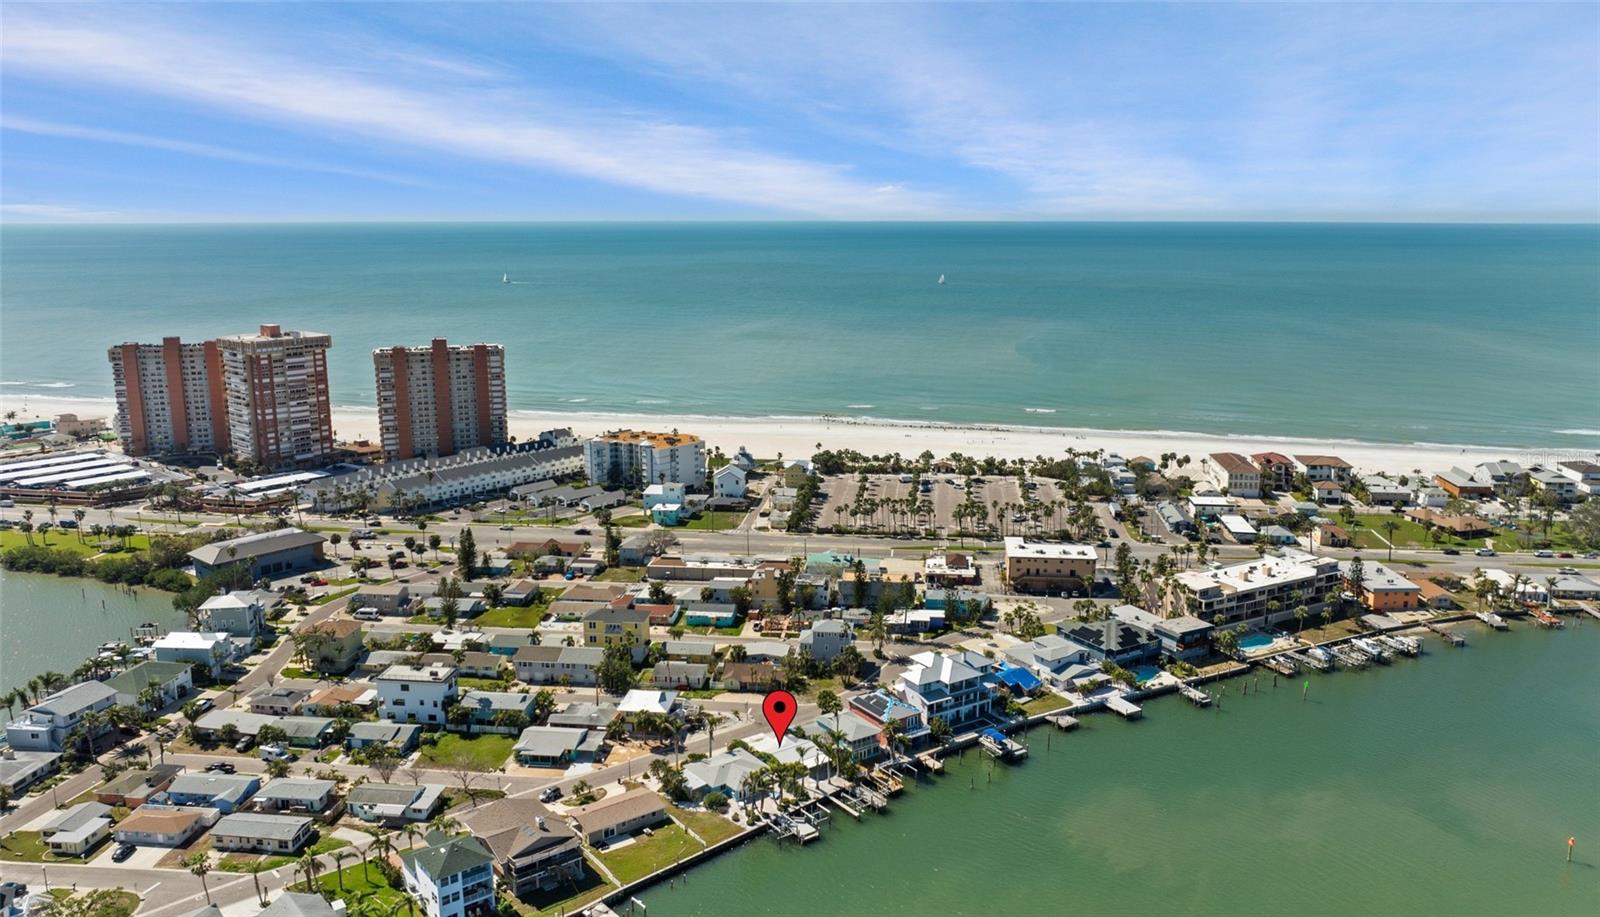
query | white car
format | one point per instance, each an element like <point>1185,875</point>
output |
<point>366,614</point>
<point>276,753</point>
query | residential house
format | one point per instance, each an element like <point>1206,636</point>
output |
<point>881,708</point>
<point>73,831</point>
<point>1459,526</point>
<point>45,725</point>
<point>1052,657</point>
<point>864,738</point>
<point>1585,472</point>
<point>1462,485</point>
<point>252,832</point>
<point>1184,637</point>
<point>730,481</point>
<point>1116,638</point>
<point>472,663</point>
<point>212,651</point>
<point>242,613</point>
<point>1234,474</point>
<point>328,701</point>
<point>403,736</point>
<point>826,639</point>
<point>292,904</point>
<point>133,788</point>
<point>506,645</point>
<point>214,722</point>
<point>641,700</point>
<point>1323,468</point>
<point>20,770</point>
<point>691,651</point>
<point>557,746</point>
<point>296,794</point>
<point>1277,471</point>
<point>224,792</point>
<point>1327,492</point>
<point>636,550</point>
<point>307,731</point>
<point>766,651</point>
<point>1329,535</point>
<point>749,676</point>
<point>1383,492</point>
<point>488,708</point>
<point>608,626</point>
<point>681,675</point>
<point>1506,478</point>
<point>159,826</point>
<point>1431,594</point>
<point>601,823</point>
<point>1210,506</point>
<point>451,877</point>
<point>723,773</point>
<point>792,750</point>
<point>279,701</point>
<point>413,694</point>
<point>385,598</point>
<point>1545,480</point>
<point>548,665</point>
<point>533,850</point>
<point>944,686</point>
<point>521,593</point>
<point>158,683</point>
<point>584,714</point>
<point>394,803</point>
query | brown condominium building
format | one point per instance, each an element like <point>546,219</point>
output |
<point>440,399</point>
<point>261,396</point>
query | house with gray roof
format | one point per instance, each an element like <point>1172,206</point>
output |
<point>22,769</point>
<point>557,746</point>
<point>44,726</point>
<point>248,724</point>
<point>403,736</point>
<point>296,794</point>
<point>450,877</point>
<point>826,639</point>
<point>300,904</point>
<point>257,833</point>
<point>223,792</point>
<point>533,850</point>
<point>306,731</point>
<point>681,675</point>
<point>394,803</point>
<point>584,714</point>
<point>723,773</point>
<point>71,832</point>
<point>862,737</point>
<point>487,705</point>
<point>170,682</point>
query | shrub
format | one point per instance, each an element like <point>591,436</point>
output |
<point>716,802</point>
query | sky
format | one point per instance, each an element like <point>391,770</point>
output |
<point>1128,111</point>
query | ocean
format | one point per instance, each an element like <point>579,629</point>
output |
<point>1470,334</point>
<point>1447,784</point>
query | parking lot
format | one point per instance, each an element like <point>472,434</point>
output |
<point>944,492</point>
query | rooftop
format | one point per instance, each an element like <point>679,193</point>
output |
<point>434,674</point>
<point>1021,547</point>
<point>267,827</point>
<point>614,810</point>
<point>658,440</point>
<point>254,545</point>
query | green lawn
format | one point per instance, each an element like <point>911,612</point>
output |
<point>1044,704</point>
<point>468,683</point>
<point>647,854</point>
<point>63,539</point>
<point>351,884</point>
<point>1369,532</point>
<point>630,522</point>
<point>511,616</point>
<point>709,825</point>
<point>485,752</point>
<point>29,847</point>
<point>238,862</point>
<point>620,575</point>
<point>714,521</point>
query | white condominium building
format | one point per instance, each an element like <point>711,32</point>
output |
<point>276,384</point>
<point>440,399</point>
<point>639,458</point>
<point>1243,592</point>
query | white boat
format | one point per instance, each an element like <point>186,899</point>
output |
<point>505,278</point>
<point>941,280</point>
<point>1351,657</point>
<point>1405,645</point>
<point>1320,654</point>
<point>1373,648</point>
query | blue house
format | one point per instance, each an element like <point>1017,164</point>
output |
<point>224,792</point>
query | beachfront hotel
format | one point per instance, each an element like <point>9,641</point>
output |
<point>639,458</point>
<point>1246,591</point>
<point>169,397</point>
<point>440,399</point>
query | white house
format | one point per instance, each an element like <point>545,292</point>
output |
<point>663,494</point>
<point>1234,473</point>
<point>945,687</point>
<point>826,639</point>
<point>451,877</point>
<point>238,614</point>
<point>44,726</point>
<point>729,481</point>
<point>212,649</point>
<point>394,802</point>
<point>415,694</point>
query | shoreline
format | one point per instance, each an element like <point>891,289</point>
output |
<point>798,436</point>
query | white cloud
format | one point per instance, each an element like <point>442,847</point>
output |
<point>491,124</point>
<point>57,213</point>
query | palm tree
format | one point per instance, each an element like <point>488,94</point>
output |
<point>255,869</point>
<point>199,864</point>
<point>380,843</point>
<point>339,856</point>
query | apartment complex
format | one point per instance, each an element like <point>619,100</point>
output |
<point>638,458</point>
<point>1040,566</point>
<point>261,396</point>
<point>1235,474</point>
<point>169,397</point>
<point>440,399</point>
<point>276,385</point>
<point>1270,587</point>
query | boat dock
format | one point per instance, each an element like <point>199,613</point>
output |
<point>1281,664</point>
<point>1545,618</point>
<point>886,783</point>
<point>1590,610</point>
<point>1454,638</point>
<point>1063,721</point>
<point>1351,657</point>
<point>1123,707</point>
<point>1312,662</point>
<point>999,745</point>
<point>1194,695</point>
<point>1493,620</point>
<point>801,826</point>
<point>931,763</point>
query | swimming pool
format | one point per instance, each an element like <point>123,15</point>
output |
<point>1255,641</point>
<point>1146,672</point>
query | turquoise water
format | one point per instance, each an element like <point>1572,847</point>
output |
<point>1443,785</point>
<point>1255,641</point>
<point>1146,672</point>
<point>1468,334</point>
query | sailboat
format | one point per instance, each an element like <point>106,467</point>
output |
<point>941,280</point>
<point>505,278</point>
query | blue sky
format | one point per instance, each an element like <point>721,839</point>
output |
<point>894,111</point>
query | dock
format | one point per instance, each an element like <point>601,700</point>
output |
<point>886,783</point>
<point>1124,708</point>
<point>1194,695</point>
<point>1454,638</point>
<point>1590,610</point>
<point>1312,662</point>
<point>1280,664</point>
<point>798,828</point>
<point>1545,618</point>
<point>999,745</point>
<point>1063,721</point>
<point>844,807</point>
<point>1351,657</point>
<point>931,763</point>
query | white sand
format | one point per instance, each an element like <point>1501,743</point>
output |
<point>799,436</point>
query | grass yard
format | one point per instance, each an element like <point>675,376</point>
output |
<point>240,862</point>
<point>104,902</point>
<point>350,885</point>
<point>1044,703</point>
<point>709,825</point>
<point>647,854</point>
<point>567,899</point>
<point>630,522</point>
<point>620,575</point>
<point>511,616</point>
<point>1369,533</point>
<point>65,540</point>
<point>712,521</point>
<point>469,683</point>
<point>29,847</point>
<point>483,752</point>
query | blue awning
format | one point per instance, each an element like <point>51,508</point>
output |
<point>1019,678</point>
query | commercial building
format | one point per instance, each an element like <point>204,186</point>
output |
<point>1040,566</point>
<point>265,554</point>
<point>1234,474</point>
<point>636,458</point>
<point>276,387</point>
<point>440,399</point>
<point>169,397</point>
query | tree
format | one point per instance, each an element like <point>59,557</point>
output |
<point>938,729</point>
<point>467,553</point>
<point>830,705</point>
<point>616,669</point>
<point>199,864</point>
<point>383,758</point>
<point>1584,523</point>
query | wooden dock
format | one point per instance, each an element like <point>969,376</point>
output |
<point>887,783</point>
<point>1454,638</point>
<point>1063,721</point>
<point>931,763</point>
<point>844,807</point>
<point>1280,664</point>
<point>1194,695</point>
<point>1123,707</point>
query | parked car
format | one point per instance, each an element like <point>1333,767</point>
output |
<point>220,767</point>
<point>508,528</point>
<point>1452,551</point>
<point>1544,552</point>
<point>550,794</point>
<point>1568,571</point>
<point>580,531</point>
<point>366,614</point>
<point>122,852</point>
<point>244,744</point>
<point>276,753</point>
<point>203,705</point>
<point>1565,554</point>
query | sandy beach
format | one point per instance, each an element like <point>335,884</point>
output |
<point>799,436</point>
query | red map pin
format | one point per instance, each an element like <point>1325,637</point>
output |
<point>779,708</point>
